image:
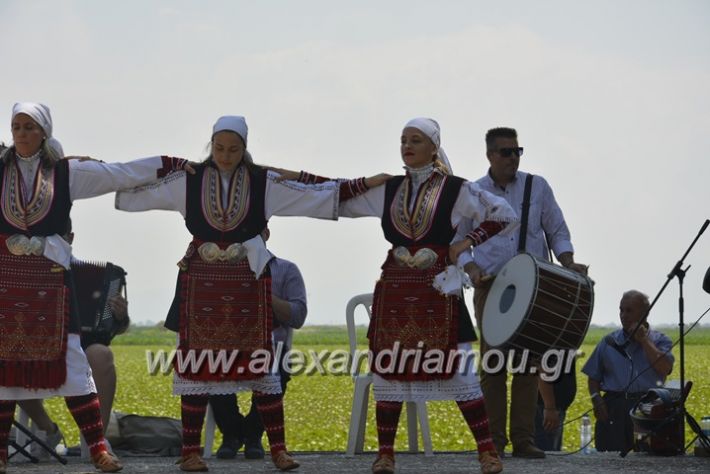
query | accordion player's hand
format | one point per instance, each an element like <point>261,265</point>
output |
<point>119,307</point>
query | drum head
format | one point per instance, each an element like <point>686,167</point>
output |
<point>509,300</point>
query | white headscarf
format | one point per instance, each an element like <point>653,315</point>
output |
<point>56,146</point>
<point>38,112</point>
<point>430,128</point>
<point>233,123</point>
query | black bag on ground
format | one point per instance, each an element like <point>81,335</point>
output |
<point>147,435</point>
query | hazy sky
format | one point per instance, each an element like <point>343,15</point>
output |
<point>610,100</point>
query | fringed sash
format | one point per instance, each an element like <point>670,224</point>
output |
<point>407,309</point>
<point>223,307</point>
<point>34,319</point>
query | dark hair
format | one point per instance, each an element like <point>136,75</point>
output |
<point>499,132</point>
<point>48,156</point>
<point>246,158</point>
<point>640,297</point>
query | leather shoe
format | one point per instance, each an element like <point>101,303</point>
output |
<point>230,446</point>
<point>490,462</point>
<point>2,467</point>
<point>283,461</point>
<point>253,449</point>
<point>384,464</point>
<point>529,451</point>
<point>105,462</point>
<point>193,462</point>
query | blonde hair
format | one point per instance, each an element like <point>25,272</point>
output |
<point>441,166</point>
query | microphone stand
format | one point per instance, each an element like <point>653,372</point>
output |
<point>678,272</point>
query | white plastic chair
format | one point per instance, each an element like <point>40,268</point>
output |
<point>210,426</point>
<point>24,419</point>
<point>358,415</point>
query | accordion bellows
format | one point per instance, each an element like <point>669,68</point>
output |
<point>95,283</point>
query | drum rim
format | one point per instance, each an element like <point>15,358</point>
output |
<point>523,320</point>
<point>521,324</point>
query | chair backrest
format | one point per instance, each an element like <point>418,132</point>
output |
<point>355,301</point>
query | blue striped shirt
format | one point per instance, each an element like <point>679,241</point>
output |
<point>614,372</point>
<point>287,284</point>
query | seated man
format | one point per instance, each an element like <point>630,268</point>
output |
<point>625,372</point>
<point>289,306</point>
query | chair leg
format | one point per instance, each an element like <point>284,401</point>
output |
<point>412,427</point>
<point>209,433</point>
<point>85,453</point>
<point>362,423</point>
<point>423,416</point>
<point>24,419</point>
<point>358,416</point>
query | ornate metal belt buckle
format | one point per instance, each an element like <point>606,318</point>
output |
<point>211,253</point>
<point>424,258</point>
<point>19,244</point>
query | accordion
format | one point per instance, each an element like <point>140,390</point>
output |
<point>95,283</point>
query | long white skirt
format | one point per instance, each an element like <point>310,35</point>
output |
<point>464,385</point>
<point>79,379</point>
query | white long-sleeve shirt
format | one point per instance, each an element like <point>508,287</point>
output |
<point>281,198</point>
<point>545,219</point>
<point>89,179</point>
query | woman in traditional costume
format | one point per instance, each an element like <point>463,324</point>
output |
<point>40,351</point>
<point>420,212</point>
<point>223,296</point>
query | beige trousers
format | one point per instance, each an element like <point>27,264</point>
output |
<point>523,393</point>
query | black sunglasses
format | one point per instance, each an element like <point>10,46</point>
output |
<point>507,152</point>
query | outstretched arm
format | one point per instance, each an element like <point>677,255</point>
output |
<point>90,178</point>
<point>168,193</point>
<point>349,188</point>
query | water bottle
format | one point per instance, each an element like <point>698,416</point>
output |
<point>585,434</point>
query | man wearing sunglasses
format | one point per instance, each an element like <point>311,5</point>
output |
<point>546,229</point>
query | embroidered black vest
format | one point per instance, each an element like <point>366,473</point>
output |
<point>430,222</point>
<point>242,219</point>
<point>429,225</point>
<point>47,211</point>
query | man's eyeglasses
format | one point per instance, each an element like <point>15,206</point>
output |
<point>507,152</point>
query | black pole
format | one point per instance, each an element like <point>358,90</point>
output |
<point>681,328</point>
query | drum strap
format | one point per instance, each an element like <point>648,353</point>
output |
<point>526,210</point>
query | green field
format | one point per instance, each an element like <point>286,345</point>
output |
<point>318,406</point>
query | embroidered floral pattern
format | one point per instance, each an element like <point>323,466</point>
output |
<point>216,215</point>
<point>18,213</point>
<point>417,223</point>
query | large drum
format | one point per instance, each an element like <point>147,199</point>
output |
<point>538,306</point>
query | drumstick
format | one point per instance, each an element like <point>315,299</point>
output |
<point>486,278</point>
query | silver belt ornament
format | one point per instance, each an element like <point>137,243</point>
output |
<point>19,244</point>
<point>211,253</point>
<point>423,259</point>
